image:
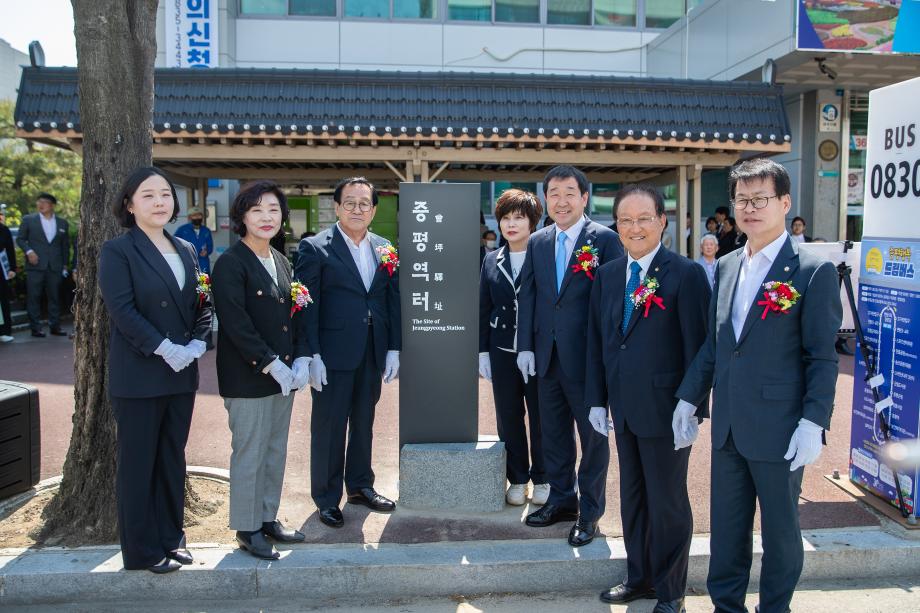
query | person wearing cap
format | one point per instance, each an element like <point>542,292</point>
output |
<point>199,235</point>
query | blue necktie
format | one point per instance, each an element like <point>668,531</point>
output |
<point>561,260</point>
<point>631,286</point>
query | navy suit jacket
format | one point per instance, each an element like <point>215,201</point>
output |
<point>335,325</point>
<point>782,368</point>
<point>637,373</point>
<point>546,316</point>
<point>498,303</point>
<point>146,305</point>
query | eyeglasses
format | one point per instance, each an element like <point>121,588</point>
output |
<point>642,222</point>
<point>759,202</point>
<point>350,206</point>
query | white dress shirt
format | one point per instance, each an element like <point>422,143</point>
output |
<point>49,226</point>
<point>754,269</point>
<point>645,261</point>
<point>363,255</point>
<point>571,235</point>
<point>517,262</point>
<point>178,268</point>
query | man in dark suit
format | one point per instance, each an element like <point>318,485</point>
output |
<point>7,273</point>
<point>556,284</point>
<point>637,355</point>
<point>769,360</point>
<point>44,239</point>
<point>353,331</point>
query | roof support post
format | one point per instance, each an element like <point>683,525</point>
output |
<point>410,172</point>
<point>697,212</point>
<point>424,172</point>
<point>681,216</point>
<point>203,195</point>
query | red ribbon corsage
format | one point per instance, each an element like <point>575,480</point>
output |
<point>779,298</point>
<point>389,258</point>
<point>204,287</point>
<point>586,260</point>
<point>645,294</point>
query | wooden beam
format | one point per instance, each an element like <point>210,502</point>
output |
<point>697,212</point>
<point>437,172</point>
<point>401,176</point>
<point>681,209</point>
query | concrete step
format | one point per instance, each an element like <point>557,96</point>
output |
<point>324,573</point>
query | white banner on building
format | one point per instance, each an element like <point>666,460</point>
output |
<point>191,33</point>
<point>893,163</point>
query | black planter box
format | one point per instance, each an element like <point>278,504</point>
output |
<point>20,440</point>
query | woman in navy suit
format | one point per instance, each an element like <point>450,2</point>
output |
<point>160,315</point>
<point>517,212</point>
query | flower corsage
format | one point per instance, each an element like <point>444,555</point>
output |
<point>586,260</point>
<point>389,258</point>
<point>203,288</point>
<point>300,297</point>
<point>778,297</point>
<point>645,294</point>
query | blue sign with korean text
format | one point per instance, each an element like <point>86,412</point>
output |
<point>191,33</point>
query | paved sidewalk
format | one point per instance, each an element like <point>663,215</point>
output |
<point>327,573</point>
<point>48,364</point>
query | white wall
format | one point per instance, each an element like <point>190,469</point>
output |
<point>728,38</point>
<point>368,45</point>
<point>11,62</point>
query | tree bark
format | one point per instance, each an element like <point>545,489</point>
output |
<point>116,49</point>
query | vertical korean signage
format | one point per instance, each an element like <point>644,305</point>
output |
<point>439,292</point>
<point>191,33</point>
<point>889,292</point>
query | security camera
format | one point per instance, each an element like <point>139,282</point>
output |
<point>826,70</point>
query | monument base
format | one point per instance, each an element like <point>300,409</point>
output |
<point>466,477</point>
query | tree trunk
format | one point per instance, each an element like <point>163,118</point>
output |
<point>116,49</point>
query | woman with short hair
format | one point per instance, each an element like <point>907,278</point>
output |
<point>261,358</point>
<point>517,212</point>
<point>160,314</point>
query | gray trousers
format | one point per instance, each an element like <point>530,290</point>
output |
<point>259,430</point>
<point>46,282</point>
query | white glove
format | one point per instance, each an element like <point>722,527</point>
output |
<point>684,424</point>
<point>301,370</point>
<point>598,418</point>
<point>317,373</point>
<point>391,369</point>
<point>280,372</point>
<point>197,347</point>
<point>485,366</point>
<point>177,356</point>
<point>526,363</point>
<point>805,445</point>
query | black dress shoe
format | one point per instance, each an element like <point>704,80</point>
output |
<point>58,332</point>
<point>372,500</point>
<point>332,517</point>
<point>582,533</point>
<point>276,530</point>
<point>670,606</point>
<point>166,566</point>
<point>255,543</point>
<point>549,514</point>
<point>623,593</point>
<point>40,334</point>
<point>182,556</point>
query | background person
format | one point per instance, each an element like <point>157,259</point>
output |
<point>44,238</point>
<point>258,344</point>
<point>7,273</point>
<point>797,228</point>
<point>353,331</point>
<point>517,212</point>
<point>159,318</point>
<point>199,235</point>
<point>709,246</point>
<point>728,237</point>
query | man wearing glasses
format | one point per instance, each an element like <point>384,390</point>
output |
<point>353,331</point>
<point>769,360</point>
<point>637,355</point>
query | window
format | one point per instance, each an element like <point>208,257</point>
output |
<point>469,10</point>
<point>367,8</point>
<point>568,12</point>
<point>415,9</point>
<point>615,12</point>
<point>517,11</point>
<point>662,13</point>
<point>263,7</point>
<point>313,8</point>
